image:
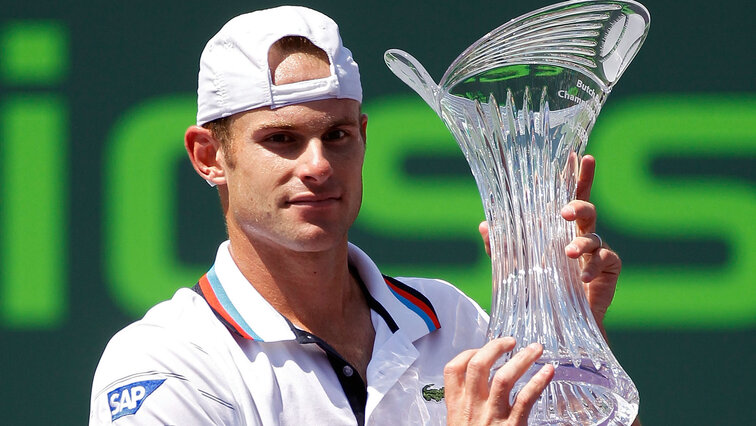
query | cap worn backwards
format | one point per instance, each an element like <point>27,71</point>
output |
<point>234,74</point>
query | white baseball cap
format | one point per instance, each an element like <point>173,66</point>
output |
<point>234,75</point>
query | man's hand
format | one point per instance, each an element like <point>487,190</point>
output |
<point>600,265</point>
<point>472,400</point>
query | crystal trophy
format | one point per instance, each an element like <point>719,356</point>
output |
<point>521,102</point>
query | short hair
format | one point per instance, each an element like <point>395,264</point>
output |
<point>299,44</point>
<point>220,128</point>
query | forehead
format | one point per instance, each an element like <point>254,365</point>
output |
<point>314,115</point>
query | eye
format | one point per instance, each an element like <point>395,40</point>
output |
<point>334,134</point>
<point>278,138</point>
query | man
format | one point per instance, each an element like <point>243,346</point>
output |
<point>292,324</point>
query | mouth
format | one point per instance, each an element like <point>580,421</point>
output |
<point>313,200</point>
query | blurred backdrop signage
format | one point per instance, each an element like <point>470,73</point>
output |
<point>101,215</point>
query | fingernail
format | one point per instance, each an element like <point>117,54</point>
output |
<point>569,210</point>
<point>546,369</point>
<point>534,346</point>
<point>585,277</point>
<point>572,247</point>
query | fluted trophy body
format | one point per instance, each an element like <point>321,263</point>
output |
<point>521,102</point>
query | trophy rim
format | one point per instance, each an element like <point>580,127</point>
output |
<point>442,84</point>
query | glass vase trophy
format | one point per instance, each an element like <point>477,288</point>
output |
<point>521,102</point>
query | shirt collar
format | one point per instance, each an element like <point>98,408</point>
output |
<point>238,304</point>
<point>413,313</point>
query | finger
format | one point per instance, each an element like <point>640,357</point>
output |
<point>483,229</point>
<point>455,370</point>
<point>479,368</point>
<point>604,261</point>
<point>582,213</point>
<point>585,178</point>
<point>586,244</point>
<point>507,376</point>
<point>454,374</point>
<point>530,393</point>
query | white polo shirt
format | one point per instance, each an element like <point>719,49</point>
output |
<point>220,354</point>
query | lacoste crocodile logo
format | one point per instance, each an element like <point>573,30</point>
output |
<point>430,394</point>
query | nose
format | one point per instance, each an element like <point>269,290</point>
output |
<point>313,163</point>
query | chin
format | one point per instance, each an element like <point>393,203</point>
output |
<point>318,242</point>
<point>303,237</point>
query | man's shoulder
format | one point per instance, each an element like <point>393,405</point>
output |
<point>445,297</point>
<point>178,331</point>
<point>429,285</point>
<point>185,316</point>
<point>462,323</point>
<point>441,297</point>
<point>435,287</point>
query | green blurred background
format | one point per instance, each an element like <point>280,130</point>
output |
<point>101,215</point>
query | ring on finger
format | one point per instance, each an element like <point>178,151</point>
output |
<point>601,242</point>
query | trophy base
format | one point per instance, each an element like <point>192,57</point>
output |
<point>582,395</point>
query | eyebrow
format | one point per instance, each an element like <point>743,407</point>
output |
<point>276,125</point>
<point>345,122</point>
<point>283,125</point>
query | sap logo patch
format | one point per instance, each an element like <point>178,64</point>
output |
<point>127,399</point>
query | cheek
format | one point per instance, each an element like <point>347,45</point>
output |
<point>353,171</point>
<point>243,186</point>
<point>358,160</point>
<point>356,181</point>
<point>256,170</point>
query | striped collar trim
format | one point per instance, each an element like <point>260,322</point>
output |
<point>238,305</point>
<point>213,292</point>
<point>414,301</point>
<point>412,311</point>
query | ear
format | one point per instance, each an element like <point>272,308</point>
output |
<point>206,155</point>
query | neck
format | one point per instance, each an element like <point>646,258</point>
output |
<point>308,288</point>
<point>314,290</point>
